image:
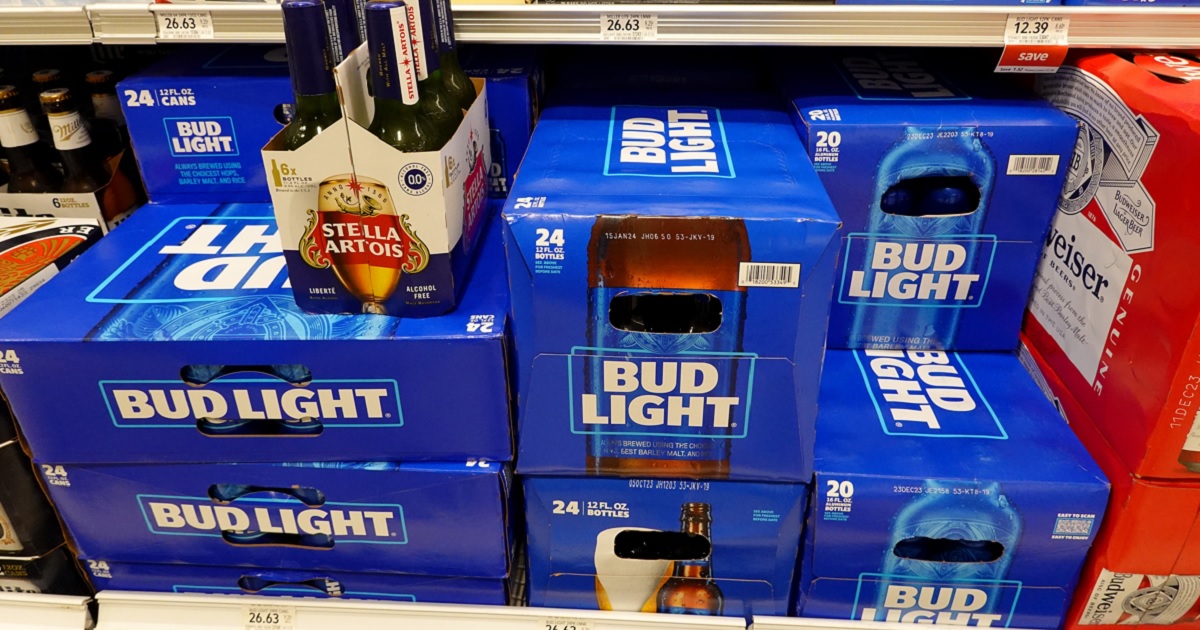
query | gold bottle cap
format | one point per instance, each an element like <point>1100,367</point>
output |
<point>8,91</point>
<point>45,76</point>
<point>98,76</point>
<point>56,95</point>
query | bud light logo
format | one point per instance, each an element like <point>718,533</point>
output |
<point>204,137</point>
<point>667,142</point>
<point>984,603</point>
<point>896,76</point>
<point>927,393</point>
<point>688,394</point>
<point>944,272</point>
<point>345,523</point>
<point>201,259</point>
<point>336,404</point>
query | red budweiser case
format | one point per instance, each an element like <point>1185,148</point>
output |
<point>1144,567</point>
<point>1116,299</point>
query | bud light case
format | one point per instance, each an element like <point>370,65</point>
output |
<point>186,578</point>
<point>635,545</point>
<point>1145,565</point>
<point>945,179</point>
<point>671,259</point>
<point>947,491</point>
<point>198,118</point>
<point>515,88</point>
<point>185,345</point>
<point>1116,306</point>
<point>421,518</point>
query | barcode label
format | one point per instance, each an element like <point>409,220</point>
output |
<point>769,275</point>
<point>1032,164</point>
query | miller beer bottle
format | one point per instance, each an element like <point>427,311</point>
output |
<point>437,104</point>
<point>45,79</point>
<point>30,170</point>
<point>663,292</point>
<point>311,66</point>
<point>398,119</point>
<point>948,198</point>
<point>457,83</point>
<point>83,166</point>
<point>952,532</point>
<point>108,122</point>
<point>691,589</point>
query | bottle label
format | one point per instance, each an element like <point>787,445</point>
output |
<point>8,534</point>
<point>416,30</point>
<point>406,71</point>
<point>16,129</point>
<point>1137,599</point>
<point>108,107</point>
<point>662,396</point>
<point>69,131</point>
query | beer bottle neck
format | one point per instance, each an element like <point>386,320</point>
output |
<point>322,107</point>
<point>698,525</point>
<point>16,129</point>
<point>695,569</point>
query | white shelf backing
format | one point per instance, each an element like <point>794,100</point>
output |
<point>120,610</point>
<point>790,623</point>
<point>34,611</point>
<point>889,25</point>
<point>44,25</point>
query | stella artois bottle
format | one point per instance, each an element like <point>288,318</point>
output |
<point>456,81</point>
<point>437,104</point>
<point>310,62</point>
<point>398,118</point>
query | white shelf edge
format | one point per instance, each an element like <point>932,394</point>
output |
<point>44,25</point>
<point>123,610</point>
<point>947,25</point>
<point>793,623</point>
<point>29,611</point>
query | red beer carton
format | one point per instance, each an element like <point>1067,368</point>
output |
<point>1144,567</point>
<point>1116,304</point>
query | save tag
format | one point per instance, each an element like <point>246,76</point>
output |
<point>628,26</point>
<point>1034,43</point>
<point>184,25</point>
<point>269,617</point>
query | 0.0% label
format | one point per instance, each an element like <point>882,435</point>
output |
<point>184,25</point>
<point>269,617</point>
<point>628,26</point>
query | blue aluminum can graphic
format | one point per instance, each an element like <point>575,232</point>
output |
<point>922,256</point>
<point>665,385</point>
<point>950,551</point>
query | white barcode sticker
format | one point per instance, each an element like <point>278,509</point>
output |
<point>785,275</point>
<point>1032,164</point>
<point>184,24</point>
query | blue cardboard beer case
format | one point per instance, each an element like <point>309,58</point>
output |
<point>447,519</point>
<point>643,544</point>
<point>198,118</point>
<point>176,339</point>
<point>947,490</point>
<point>946,179</point>
<point>670,259</point>
<point>188,578</point>
<point>515,86</point>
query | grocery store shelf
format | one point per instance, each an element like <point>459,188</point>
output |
<point>44,25</point>
<point>121,610</point>
<point>34,611</point>
<point>958,25</point>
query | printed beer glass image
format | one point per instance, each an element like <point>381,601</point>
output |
<point>666,316</point>
<point>356,232</point>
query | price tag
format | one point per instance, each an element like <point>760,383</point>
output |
<point>184,25</point>
<point>628,26</point>
<point>564,623</point>
<point>1034,43</point>
<point>269,617</point>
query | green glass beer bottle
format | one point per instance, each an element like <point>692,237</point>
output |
<point>310,62</point>
<point>398,119</point>
<point>437,104</point>
<point>456,81</point>
<point>83,166</point>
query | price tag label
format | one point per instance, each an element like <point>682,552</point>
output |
<point>269,617</point>
<point>564,623</point>
<point>628,26</point>
<point>184,25</point>
<point>1034,43</point>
